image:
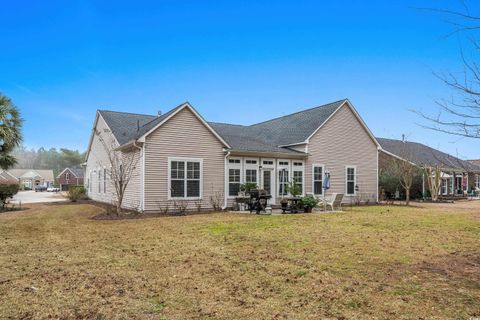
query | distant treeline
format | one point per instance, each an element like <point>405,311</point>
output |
<point>54,159</point>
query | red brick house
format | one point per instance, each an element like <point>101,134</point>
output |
<point>70,177</point>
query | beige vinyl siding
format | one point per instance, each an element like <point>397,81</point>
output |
<point>341,142</point>
<point>184,135</point>
<point>133,193</point>
<point>98,160</point>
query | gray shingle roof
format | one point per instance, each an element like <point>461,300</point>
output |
<point>129,126</point>
<point>261,137</point>
<point>421,154</point>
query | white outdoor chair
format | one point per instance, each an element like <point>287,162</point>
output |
<point>335,201</point>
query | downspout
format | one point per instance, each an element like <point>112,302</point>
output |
<point>141,175</point>
<point>225,192</point>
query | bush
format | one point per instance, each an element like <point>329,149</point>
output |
<point>76,193</point>
<point>8,191</point>
<point>309,202</point>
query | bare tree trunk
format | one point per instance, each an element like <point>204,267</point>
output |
<point>407,194</point>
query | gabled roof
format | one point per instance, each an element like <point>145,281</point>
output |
<point>272,136</point>
<point>421,154</point>
<point>32,173</point>
<point>77,172</point>
<point>475,162</point>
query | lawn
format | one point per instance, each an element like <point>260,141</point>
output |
<point>372,262</point>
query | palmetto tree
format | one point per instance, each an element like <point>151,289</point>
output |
<point>10,131</point>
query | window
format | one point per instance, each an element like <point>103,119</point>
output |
<point>268,163</point>
<point>477,180</point>
<point>67,177</point>
<point>317,180</point>
<point>233,182</point>
<point>444,186</point>
<point>99,182</point>
<point>250,176</point>
<point>351,181</point>
<point>185,176</point>
<point>298,178</point>
<point>282,182</point>
<point>283,177</point>
<point>251,161</point>
<point>298,164</point>
<point>104,180</point>
<point>234,161</point>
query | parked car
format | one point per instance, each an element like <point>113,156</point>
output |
<point>40,188</point>
<point>53,189</point>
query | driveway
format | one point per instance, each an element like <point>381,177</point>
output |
<point>38,197</point>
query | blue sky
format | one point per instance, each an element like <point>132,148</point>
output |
<point>235,61</point>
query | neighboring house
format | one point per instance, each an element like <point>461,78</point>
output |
<point>70,177</point>
<point>477,176</point>
<point>180,156</point>
<point>458,176</point>
<point>7,178</point>
<point>30,178</point>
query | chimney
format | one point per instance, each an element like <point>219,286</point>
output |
<point>159,113</point>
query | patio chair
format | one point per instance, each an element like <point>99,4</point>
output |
<point>334,202</point>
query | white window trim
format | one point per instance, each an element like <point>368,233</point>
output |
<point>185,186</point>
<point>250,166</point>
<point>278,169</point>
<point>477,180</point>
<point>354,180</point>
<point>67,177</point>
<point>238,166</point>
<point>302,169</point>
<point>317,165</point>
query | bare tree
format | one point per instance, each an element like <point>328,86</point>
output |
<point>122,165</point>
<point>434,180</point>
<point>406,174</point>
<point>460,115</point>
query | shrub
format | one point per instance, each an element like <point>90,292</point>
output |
<point>247,187</point>
<point>309,202</point>
<point>76,193</point>
<point>7,190</point>
<point>294,188</point>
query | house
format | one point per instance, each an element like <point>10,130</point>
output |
<point>458,176</point>
<point>182,157</point>
<point>70,177</point>
<point>30,178</point>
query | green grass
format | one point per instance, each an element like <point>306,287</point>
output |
<point>372,262</point>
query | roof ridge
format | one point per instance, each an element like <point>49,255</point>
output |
<point>291,114</point>
<point>132,113</point>
<point>230,124</point>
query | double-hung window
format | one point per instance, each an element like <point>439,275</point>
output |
<point>298,175</point>
<point>477,180</point>
<point>104,180</point>
<point>185,178</point>
<point>283,177</point>
<point>251,171</point>
<point>351,180</point>
<point>234,176</point>
<point>67,177</point>
<point>99,180</point>
<point>318,179</point>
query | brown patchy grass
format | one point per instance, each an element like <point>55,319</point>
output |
<point>369,263</point>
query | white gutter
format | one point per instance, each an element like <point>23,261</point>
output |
<point>225,186</point>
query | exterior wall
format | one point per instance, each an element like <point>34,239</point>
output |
<point>343,141</point>
<point>101,189</point>
<point>184,135</point>
<point>72,181</point>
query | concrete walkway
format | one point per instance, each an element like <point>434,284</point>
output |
<point>38,197</point>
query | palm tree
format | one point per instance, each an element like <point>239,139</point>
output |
<point>10,131</point>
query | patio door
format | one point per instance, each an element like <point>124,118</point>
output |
<point>267,183</point>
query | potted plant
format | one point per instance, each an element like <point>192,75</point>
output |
<point>294,189</point>
<point>247,187</point>
<point>309,202</point>
<point>284,204</point>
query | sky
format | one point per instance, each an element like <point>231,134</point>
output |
<point>237,62</point>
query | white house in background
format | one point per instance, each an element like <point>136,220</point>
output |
<point>30,178</point>
<point>181,156</point>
